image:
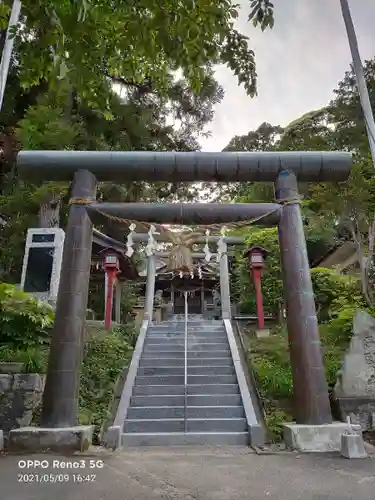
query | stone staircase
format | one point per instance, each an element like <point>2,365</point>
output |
<point>215,412</point>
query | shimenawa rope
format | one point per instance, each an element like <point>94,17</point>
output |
<point>180,258</point>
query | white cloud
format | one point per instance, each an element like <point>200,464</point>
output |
<point>299,63</point>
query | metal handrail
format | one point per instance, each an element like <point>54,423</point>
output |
<point>185,360</point>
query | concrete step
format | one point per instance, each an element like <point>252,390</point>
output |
<point>168,380</point>
<point>192,400</point>
<point>191,370</point>
<point>191,439</point>
<point>178,339</point>
<point>192,425</point>
<point>154,362</point>
<point>181,340</point>
<point>179,379</point>
<point>191,331</point>
<point>209,354</point>
<point>179,390</point>
<point>192,346</point>
<point>211,379</point>
<point>225,361</point>
<point>181,324</point>
<point>155,412</point>
<point>191,326</point>
<point>191,354</point>
<point>222,388</point>
<point>151,362</point>
<point>164,354</point>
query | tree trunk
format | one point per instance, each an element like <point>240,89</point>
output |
<point>49,212</point>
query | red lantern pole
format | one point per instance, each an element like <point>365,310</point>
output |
<point>111,268</point>
<point>257,277</point>
<point>256,256</point>
<point>111,277</point>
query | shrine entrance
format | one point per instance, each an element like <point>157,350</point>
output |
<point>194,302</point>
<point>87,168</point>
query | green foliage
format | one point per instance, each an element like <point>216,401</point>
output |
<point>24,321</point>
<point>331,287</point>
<point>271,281</point>
<point>262,14</point>
<point>87,42</point>
<point>275,418</point>
<point>44,127</point>
<point>129,294</point>
<point>270,361</point>
<point>105,360</point>
<point>34,359</point>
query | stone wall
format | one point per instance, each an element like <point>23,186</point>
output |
<point>355,388</point>
<point>20,395</point>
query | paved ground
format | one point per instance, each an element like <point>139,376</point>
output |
<point>191,474</point>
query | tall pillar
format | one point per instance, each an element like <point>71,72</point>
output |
<point>60,398</point>
<point>224,284</point>
<point>312,404</point>
<point>118,301</point>
<point>150,287</point>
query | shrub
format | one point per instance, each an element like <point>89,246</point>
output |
<point>105,360</point>
<point>332,289</point>
<point>275,418</point>
<point>271,365</point>
<point>24,320</point>
<point>329,286</point>
<point>34,359</point>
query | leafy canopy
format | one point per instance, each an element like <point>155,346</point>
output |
<point>91,41</point>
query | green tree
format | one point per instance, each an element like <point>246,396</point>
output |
<point>334,212</point>
<point>89,42</point>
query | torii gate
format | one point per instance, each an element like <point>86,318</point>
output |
<point>86,168</point>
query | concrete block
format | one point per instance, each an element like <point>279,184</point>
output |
<point>1,440</point>
<point>28,382</point>
<point>353,446</point>
<point>6,382</point>
<point>317,438</point>
<point>112,438</point>
<point>262,334</point>
<point>257,435</point>
<point>39,439</point>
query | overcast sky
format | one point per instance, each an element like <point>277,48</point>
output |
<point>299,63</point>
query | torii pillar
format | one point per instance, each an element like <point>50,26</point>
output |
<point>311,400</point>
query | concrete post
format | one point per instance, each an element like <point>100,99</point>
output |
<point>312,404</point>
<point>118,301</point>
<point>224,284</point>
<point>150,287</point>
<point>60,399</point>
